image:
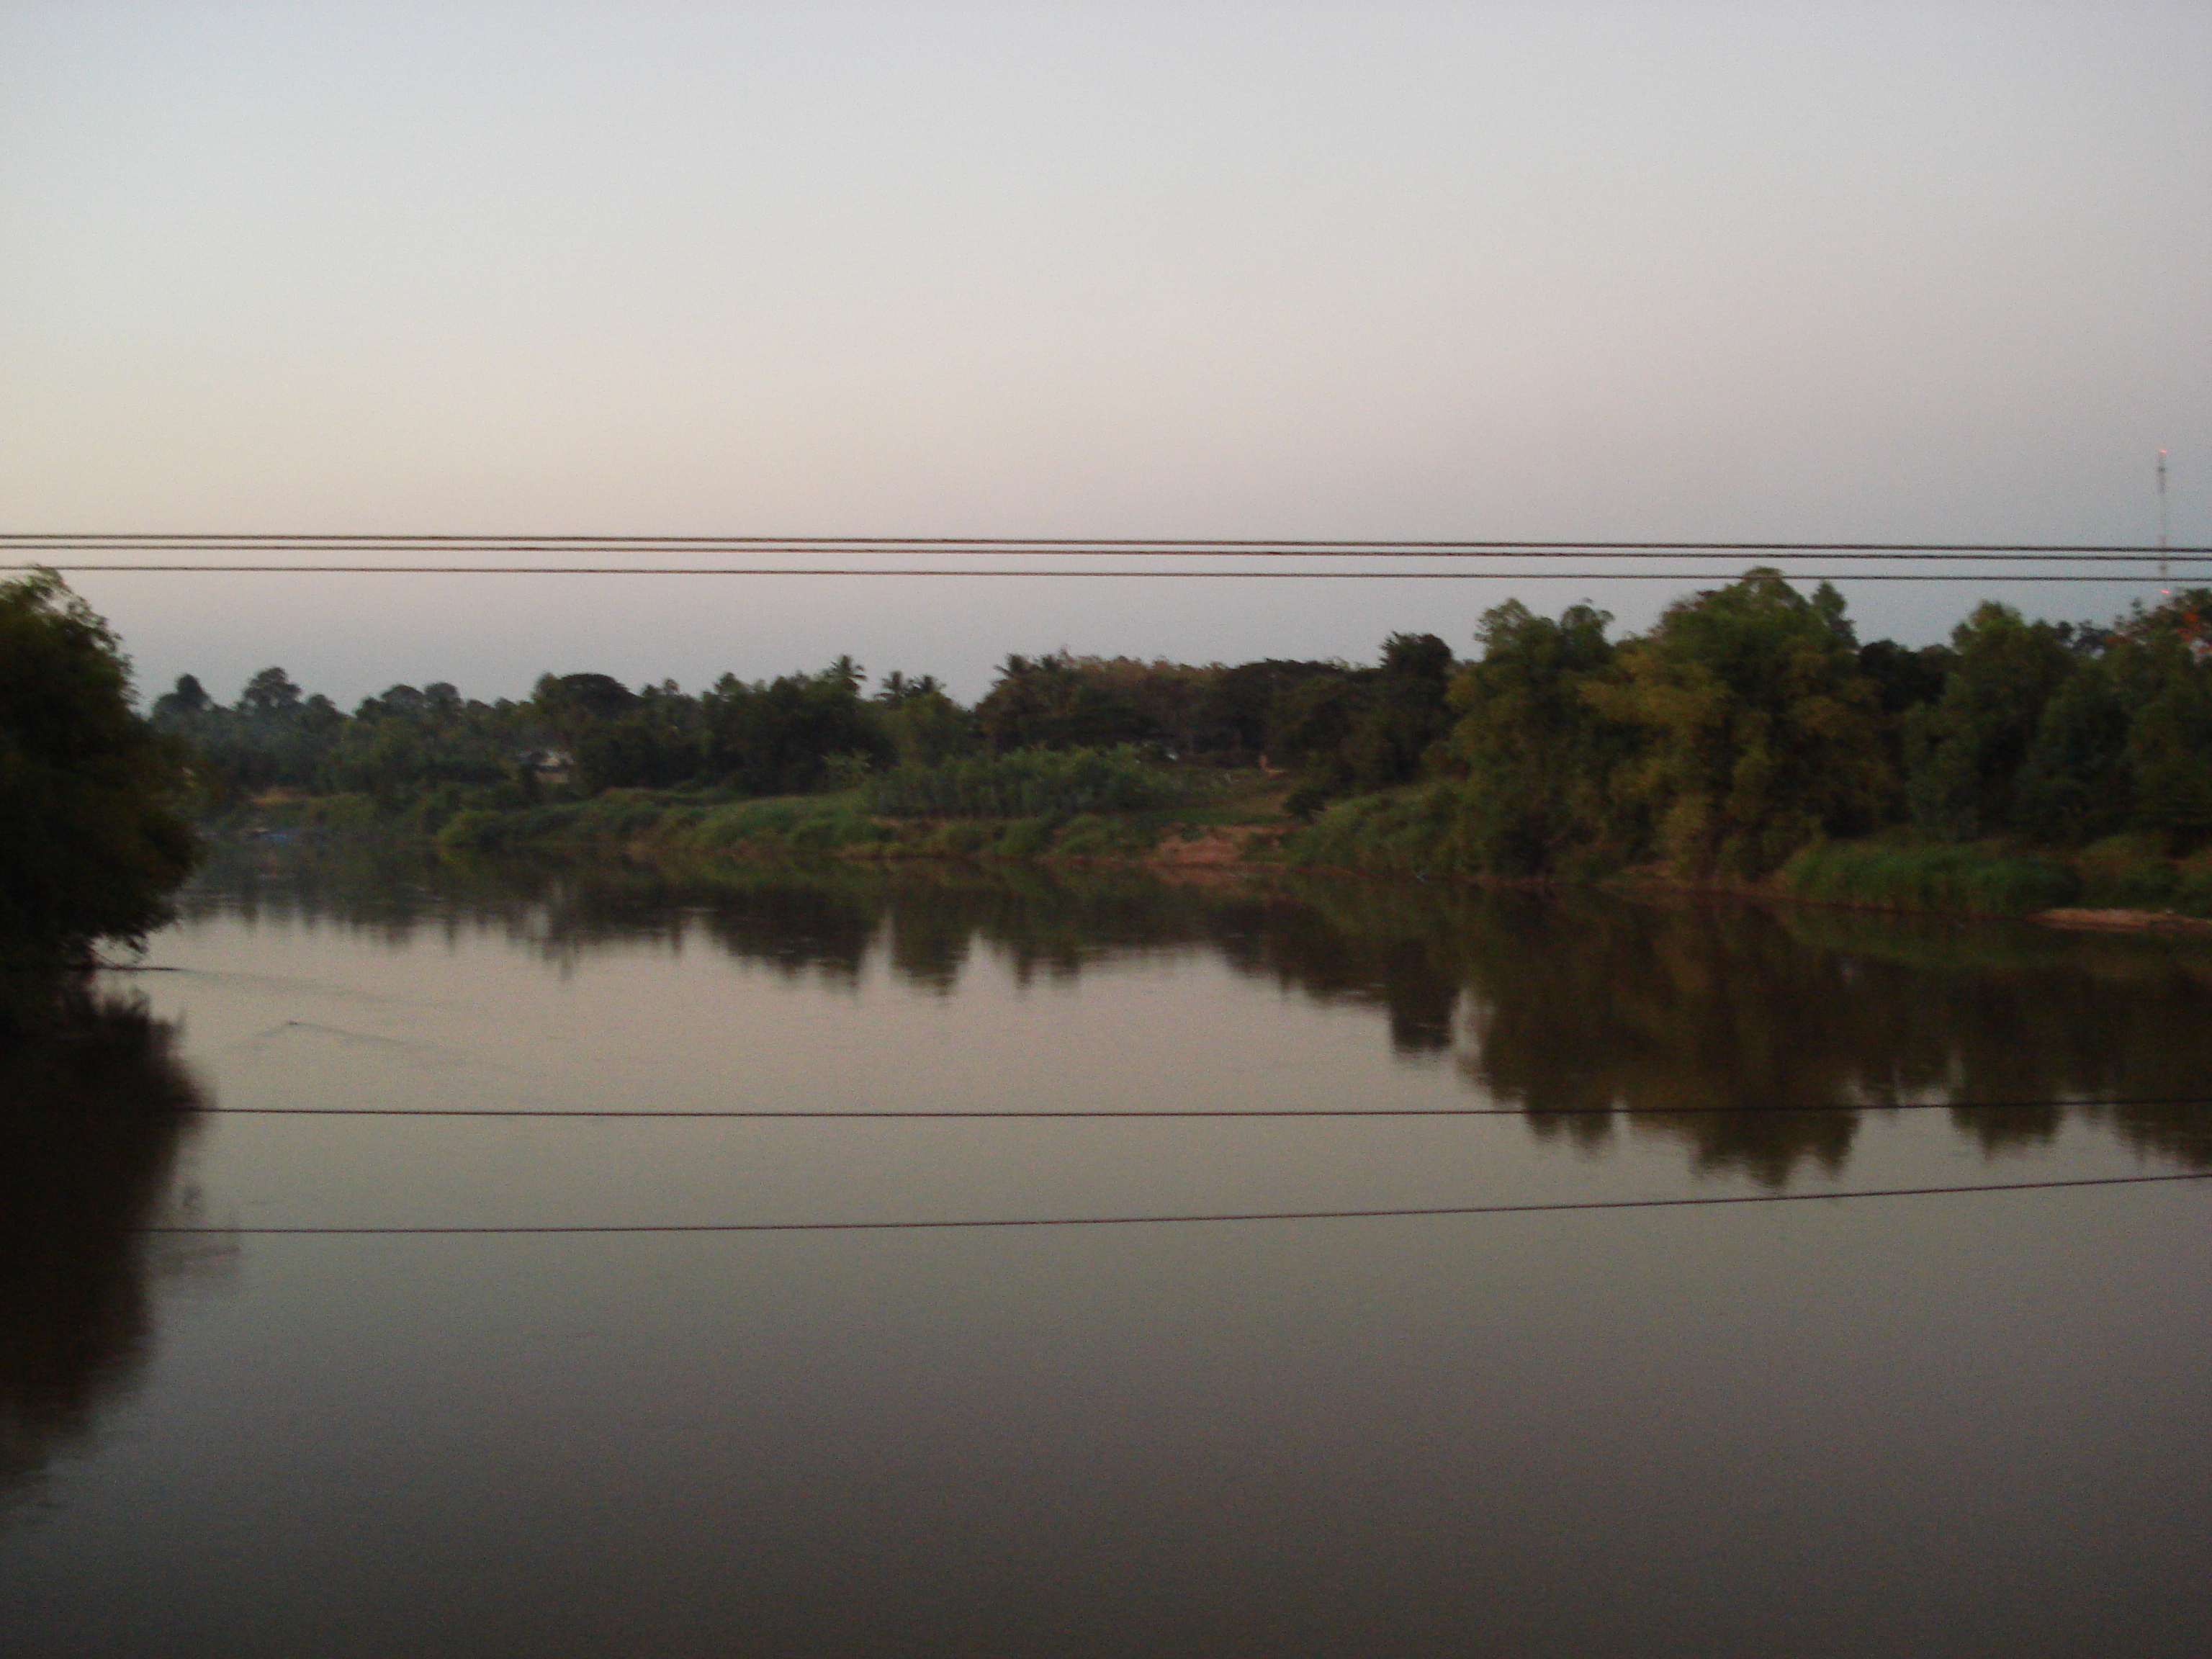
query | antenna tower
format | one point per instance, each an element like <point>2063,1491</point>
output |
<point>2161,516</point>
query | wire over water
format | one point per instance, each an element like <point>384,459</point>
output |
<point>1167,1220</point>
<point>1088,1114</point>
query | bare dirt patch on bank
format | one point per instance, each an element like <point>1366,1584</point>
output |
<point>2163,921</point>
<point>1224,844</point>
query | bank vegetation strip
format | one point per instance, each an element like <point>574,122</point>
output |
<point>1748,740</point>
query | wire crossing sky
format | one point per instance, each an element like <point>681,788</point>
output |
<point>1003,546</point>
<point>1576,272</point>
<point>1714,577</point>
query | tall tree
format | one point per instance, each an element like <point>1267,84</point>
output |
<point>1056,701</point>
<point>94,836</point>
<point>1964,752</point>
<point>1762,731</point>
<point>1538,760</point>
<point>2162,659</point>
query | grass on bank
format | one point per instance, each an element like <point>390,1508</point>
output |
<point>1993,879</point>
<point>1108,805</point>
<point>1078,805</point>
<point>1412,831</point>
<point>1417,831</point>
<point>1033,783</point>
<point>1983,880</point>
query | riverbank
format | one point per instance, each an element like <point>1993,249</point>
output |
<point>1226,823</point>
<point>1220,820</point>
<point>2124,881</point>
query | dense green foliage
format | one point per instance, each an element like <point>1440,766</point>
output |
<point>1038,741</point>
<point>94,836</point>
<point>1921,877</point>
<point>1747,726</point>
<point>1027,783</point>
<point>1174,711</point>
<point>2121,873</point>
<point>1538,758</point>
<point>1758,730</point>
<point>670,822</point>
<point>272,736</point>
<point>1965,750</point>
<point>1367,729</point>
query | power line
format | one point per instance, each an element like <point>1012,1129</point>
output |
<point>1085,1115</point>
<point>1491,552</point>
<point>1310,548</point>
<point>1167,1220</point>
<point>1148,575</point>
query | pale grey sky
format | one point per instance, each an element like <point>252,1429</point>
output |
<point>1806,272</point>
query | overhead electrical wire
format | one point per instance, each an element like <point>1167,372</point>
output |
<point>1088,1114</point>
<point>1305,551</point>
<point>1076,575</point>
<point>1008,1222</point>
<point>1143,546</point>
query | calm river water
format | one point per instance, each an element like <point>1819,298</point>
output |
<point>1963,1425</point>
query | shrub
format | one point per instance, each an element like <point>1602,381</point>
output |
<point>783,824</point>
<point>1025,838</point>
<point>477,831</point>
<point>2128,872</point>
<point>1091,837</point>
<point>1986,880</point>
<point>1415,829</point>
<point>1027,783</point>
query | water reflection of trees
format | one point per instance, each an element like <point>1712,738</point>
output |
<point>1587,1011</point>
<point>94,1109</point>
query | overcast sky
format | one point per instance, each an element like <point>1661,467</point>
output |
<point>1803,271</point>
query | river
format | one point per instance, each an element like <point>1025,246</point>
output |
<point>1964,1423</point>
